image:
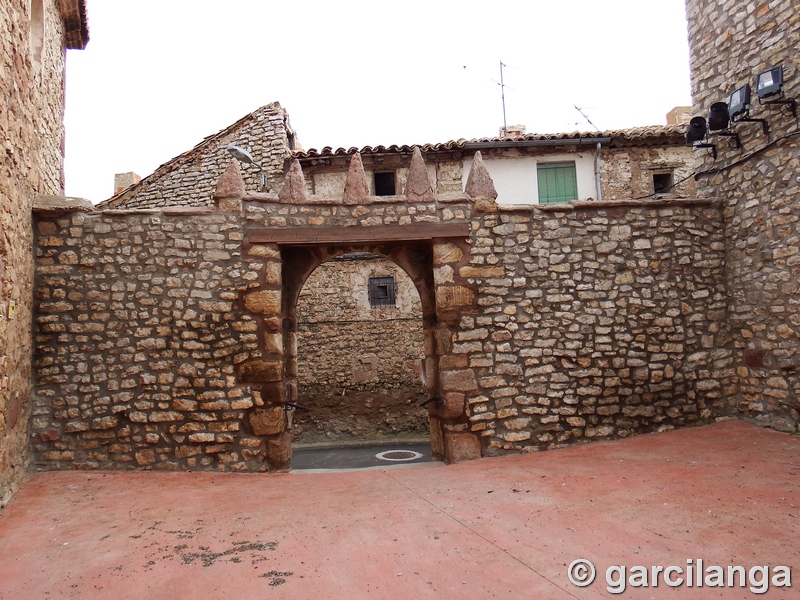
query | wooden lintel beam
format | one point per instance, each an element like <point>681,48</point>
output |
<point>310,236</point>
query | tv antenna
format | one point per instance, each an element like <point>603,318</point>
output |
<point>588,120</point>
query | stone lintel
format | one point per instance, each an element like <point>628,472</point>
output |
<point>307,236</point>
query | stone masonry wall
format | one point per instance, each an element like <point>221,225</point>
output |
<point>759,187</point>
<point>627,172</point>
<point>31,86</point>
<point>167,339</point>
<point>137,339</point>
<point>359,367</point>
<point>595,323</point>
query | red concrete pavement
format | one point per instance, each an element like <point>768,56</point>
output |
<point>505,527</point>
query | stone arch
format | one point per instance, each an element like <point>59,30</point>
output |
<point>360,366</point>
<point>414,258</point>
<point>427,235</point>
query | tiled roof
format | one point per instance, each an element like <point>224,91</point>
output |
<point>654,134</point>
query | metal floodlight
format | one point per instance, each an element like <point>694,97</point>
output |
<point>718,116</point>
<point>245,157</point>
<point>739,101</point>
<point>769,82</point>
<point>696,130</point>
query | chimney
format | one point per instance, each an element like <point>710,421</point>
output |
<point>512,131</point>
<point>122,181</point>
<point>680,115</point>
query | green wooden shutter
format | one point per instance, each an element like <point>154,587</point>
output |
<point>557,182</point>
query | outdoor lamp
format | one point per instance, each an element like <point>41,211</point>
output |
<point>739,101</point>
<point>695,130</point>
<point>718,116</point>
<point>244,156</point>
<point>739,108</point>
<point>769,82</point>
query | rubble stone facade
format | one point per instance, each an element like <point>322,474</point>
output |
<point>169,339</point>
<point>759,187</point>
<point>32,88</point>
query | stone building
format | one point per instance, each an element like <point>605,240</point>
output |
<point>168,334</point>
<point>169,338</point>
<point>36,34</point>
<point>758,186</point>
<point>528,168</point>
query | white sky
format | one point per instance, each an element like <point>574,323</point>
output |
<point>160,75</point>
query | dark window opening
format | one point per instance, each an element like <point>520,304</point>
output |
<point>384,184</point>
<point>662,183</point>
<point>381,291</point>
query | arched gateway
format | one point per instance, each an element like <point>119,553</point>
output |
<point>425,234</point>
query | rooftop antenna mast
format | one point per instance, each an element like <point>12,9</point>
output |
<point>583,114</point>
<point>503,98</point>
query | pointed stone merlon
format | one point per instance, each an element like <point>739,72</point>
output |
<point>356,189</point>
<point>418,185</point>
<point>294,186</point>
<point>230,188</point>
<point>479,182</point>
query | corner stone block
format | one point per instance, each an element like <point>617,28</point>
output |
<point>446,253</point>
<point>268,421</point>
<point>264,302</point>
<point>459,447</point>
<point>294,186</point>
<point>458,381</point>
<point>452,406</point>
<point>450,296</point>
<point>273,343</point>
<point>261,371</point>
<point>418,185</point>
<point>279,452</point>
<point>479,182</point>
<point>356,190</point>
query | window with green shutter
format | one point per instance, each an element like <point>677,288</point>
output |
<point>557,182</point>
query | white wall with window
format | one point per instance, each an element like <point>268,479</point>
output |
<point>540,179</point>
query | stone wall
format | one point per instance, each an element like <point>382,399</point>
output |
<point>627,172</point>
<point>170,339</point>
<point>138,337</point>
<point>760,190</point>
<point>594,323</point>
<point>359,367</point>
<point>189,179</point>
<point>31,86</point>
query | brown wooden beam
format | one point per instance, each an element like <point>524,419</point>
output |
<point>309,236</point>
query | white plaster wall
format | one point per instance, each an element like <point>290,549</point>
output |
<point>515,177</point>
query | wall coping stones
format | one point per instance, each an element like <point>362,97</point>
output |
<point>47,203</point>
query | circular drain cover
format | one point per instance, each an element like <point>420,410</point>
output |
<point>398,455</point>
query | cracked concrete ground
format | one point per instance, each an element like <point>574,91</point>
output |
<point>505,527</point>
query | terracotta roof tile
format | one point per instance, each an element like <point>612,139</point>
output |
<point>631,136</point>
